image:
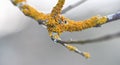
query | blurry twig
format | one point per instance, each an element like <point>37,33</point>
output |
<point>72,6</point>
<point>103,38</point>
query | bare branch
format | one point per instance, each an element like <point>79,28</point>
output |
<point>71,48</point>
<point>103,38</point>
<point>113,17</point>
<point>72,6</point>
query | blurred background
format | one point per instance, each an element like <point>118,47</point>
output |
<point>24,42</point>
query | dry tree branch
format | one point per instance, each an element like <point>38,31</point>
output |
<point>111,18</point>
<point>72,6</point>
<point>57,23</point>
<point>100,39</point>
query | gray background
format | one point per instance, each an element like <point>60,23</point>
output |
<point>24,42</point>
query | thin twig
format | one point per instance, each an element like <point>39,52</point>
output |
<point>103,38</point>
<point>72,6</point>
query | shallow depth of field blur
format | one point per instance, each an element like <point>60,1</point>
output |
<point>24,42</point>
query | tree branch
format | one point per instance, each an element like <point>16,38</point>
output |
<point>111,18</point>
<point>72,6</point>
<point>57,9</point>
<point>56,23</point>
<point>103,38</point>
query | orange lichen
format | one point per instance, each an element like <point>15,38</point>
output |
<point>57,9</point>
<point>32,12</point>
<point>72,25</point>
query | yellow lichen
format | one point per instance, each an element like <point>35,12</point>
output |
<point>102,20</point>
<point>86,54</point>
<point>32,12</point>
<point>71,48</point>
<point>75,25</point>
<point>57,9</point>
